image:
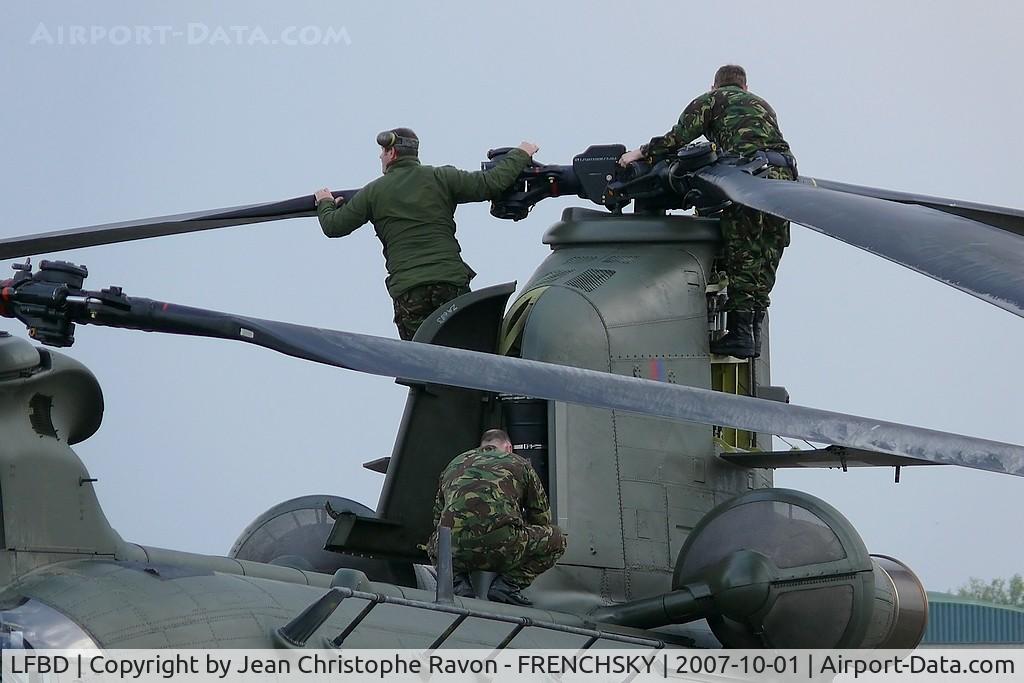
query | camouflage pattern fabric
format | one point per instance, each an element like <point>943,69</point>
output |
<point>413,307</point>
<point>496,507</point>
<point>739,122</point>
<point>736,120</point>
<point>751,251</point>
<point>518,553</point>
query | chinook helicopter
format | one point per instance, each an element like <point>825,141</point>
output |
<point>655,454</point>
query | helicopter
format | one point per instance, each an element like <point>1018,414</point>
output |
<point>699,533</point>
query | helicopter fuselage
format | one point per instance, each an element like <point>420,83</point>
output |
<point>626,295</point>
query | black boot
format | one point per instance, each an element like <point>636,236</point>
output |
<point>739,341</point>
<point>506,592</point>
<point>462,586</point>
<point>758,322</point>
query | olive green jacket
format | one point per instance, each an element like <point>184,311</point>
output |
<point>412,208</point>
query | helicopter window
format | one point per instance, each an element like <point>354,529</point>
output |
<point>33,625</point>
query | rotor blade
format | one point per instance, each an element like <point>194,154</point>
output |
<point>975,258</point>
<point>126,231</point>
<point>488,372</point>
<point>996,216</point>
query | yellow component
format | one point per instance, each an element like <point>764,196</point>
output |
<point>514,322</point>
<point>732,376</point>
<point>726,447</point>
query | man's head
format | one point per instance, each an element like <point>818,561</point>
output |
<point>397,143</point>
<point>496,438</point>
<point>730,74</point>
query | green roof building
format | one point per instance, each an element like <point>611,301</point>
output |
<point>955,622</point>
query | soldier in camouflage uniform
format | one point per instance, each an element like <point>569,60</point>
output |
<point>495,505</point>
<point>738,122</point>
<point>413,307</point>
<point>412,208</point>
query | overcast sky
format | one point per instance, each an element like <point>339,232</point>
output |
<point>123,110</point>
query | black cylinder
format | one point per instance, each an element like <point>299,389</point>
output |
<point>63,271</point>
<point>526,421</point>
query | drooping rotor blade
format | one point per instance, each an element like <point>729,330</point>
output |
<point>970,256</point>
<point>126,231</point>
<point>828,457</point>
<point>487,372</point>
<point>996,216</point>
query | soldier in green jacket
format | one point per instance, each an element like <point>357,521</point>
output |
<point>495,505</point>
<point>738,122</point>
<point>412,208</point>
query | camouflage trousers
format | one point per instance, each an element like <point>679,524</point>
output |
<point>414,306</point>
<point>751,251</point>
<point>519,553</point>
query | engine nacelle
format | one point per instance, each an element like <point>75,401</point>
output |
<point>293,534</point>
<point>901,606</point>
<point>814,585</point>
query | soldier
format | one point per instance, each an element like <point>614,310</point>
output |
<point>493,502</point>
<point>738,122</point>
<point>412,207</point>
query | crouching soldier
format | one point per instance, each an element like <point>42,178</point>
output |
<point>493,502</point>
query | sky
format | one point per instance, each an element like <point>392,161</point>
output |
<point>126,110</point>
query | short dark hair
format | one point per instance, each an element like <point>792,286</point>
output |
<point>730,74</point>
<point>404,151</point>
<point>495,437</point>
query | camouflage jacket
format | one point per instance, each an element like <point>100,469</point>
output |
<point>485,489</point>
<point>739,122</point>
<point>412,208</point>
